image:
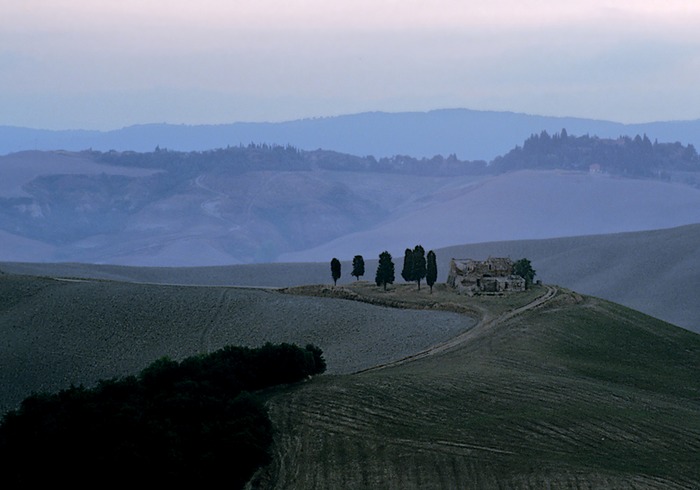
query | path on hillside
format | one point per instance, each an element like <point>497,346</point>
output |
<point>485,324</point>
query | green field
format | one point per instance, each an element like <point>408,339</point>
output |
<point>544,389</point>
<point>576,393</point>
<point>54,333</point>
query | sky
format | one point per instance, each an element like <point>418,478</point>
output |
<point>107,64</point>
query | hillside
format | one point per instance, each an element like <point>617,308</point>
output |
<point>54,333</point>
<point>656,272</point>
<point>522,205</point>
<point>576,393</point>
<point>259,203</point>
<point>549,388</point>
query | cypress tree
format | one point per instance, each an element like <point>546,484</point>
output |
<point>335,270</point>
<point>523,268</point>
<point>418,269</point>
<point>407,271</point>
<point>358,266</point>
<point>385,270</point>
<point>431,270</point>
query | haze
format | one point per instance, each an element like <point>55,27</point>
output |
<point>108,64</point>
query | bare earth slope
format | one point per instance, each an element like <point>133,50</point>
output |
<point>573,392</point>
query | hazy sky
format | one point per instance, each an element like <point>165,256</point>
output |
<point>105,64</point>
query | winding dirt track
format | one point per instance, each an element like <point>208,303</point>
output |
<point>485,324</point>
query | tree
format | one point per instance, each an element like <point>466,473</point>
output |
<point>418,264</point>
<point>407,271</point>
<point>335,270</point>
<point>176,424</point>
<point>385,270</point>
<point>431,270</point>
<point>523,268</point>
<point>358,266</point>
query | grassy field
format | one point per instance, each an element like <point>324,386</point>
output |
<point>544,389</point>
<point>54,333</point>
<point>576,393</point>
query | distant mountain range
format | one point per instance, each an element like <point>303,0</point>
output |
<point>468,134</point>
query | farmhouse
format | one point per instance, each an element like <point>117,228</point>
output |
<point>492,275</point>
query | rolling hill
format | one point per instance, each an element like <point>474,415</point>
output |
<point>576,393</point>
<point>545,388</point>
<point>519,206</point>
<point>265,204</point>
<point>557,387</point>
<point>57,332</point>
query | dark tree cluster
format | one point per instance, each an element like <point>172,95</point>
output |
<point>416,266</point>
<point>385,270</point>
<point>431,270</point>
<point>335,270</point>
<point>191,423</point>
<point>631,157</point>
<point>358,268</point>
<point>523,268</point>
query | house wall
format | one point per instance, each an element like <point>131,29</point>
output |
<point>491,275</point>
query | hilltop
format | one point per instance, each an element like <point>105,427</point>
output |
<point>641,270</point>
<point>570,392</point>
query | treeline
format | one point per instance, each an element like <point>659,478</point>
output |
<point>189,423</point>
<point>416,267</point>
<point>632,157</point>
<point>252,157</point>
<point>625,156</point>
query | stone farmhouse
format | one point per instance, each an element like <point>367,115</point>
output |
<point>492,275</point>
